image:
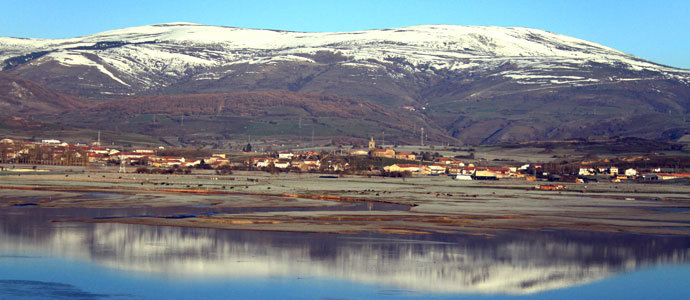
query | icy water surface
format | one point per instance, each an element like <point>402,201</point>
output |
<point>40,259</point>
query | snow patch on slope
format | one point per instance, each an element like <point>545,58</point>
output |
<point>176,50</point>
<point>75,58</point>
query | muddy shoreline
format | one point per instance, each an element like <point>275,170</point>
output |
<point>427,204</point>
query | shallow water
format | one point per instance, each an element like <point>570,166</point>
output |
<point>44,260</point>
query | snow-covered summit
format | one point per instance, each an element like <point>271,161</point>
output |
<point>456,41</point>
<point>479,84</point>
<point>141,56</point>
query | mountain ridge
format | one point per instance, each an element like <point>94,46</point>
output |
<point>479,84</point>
<point>125,55</point>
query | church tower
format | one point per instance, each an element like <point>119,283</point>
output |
<point>372,144</point>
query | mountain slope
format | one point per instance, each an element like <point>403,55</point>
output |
<point>23,97</point>
<point>473,84</point>
<point>146,58</point>
<point>208,119</point>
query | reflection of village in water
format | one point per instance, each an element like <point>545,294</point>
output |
<point>515,262</point>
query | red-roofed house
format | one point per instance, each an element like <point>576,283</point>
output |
<point>388,153</point>
<point>412,168</point>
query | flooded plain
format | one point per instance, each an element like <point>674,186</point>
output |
<point>299,236</point>
<point>41,259</point>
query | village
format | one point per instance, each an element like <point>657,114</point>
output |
<point>371,161</point>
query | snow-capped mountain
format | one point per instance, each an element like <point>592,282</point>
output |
<point>150,57</point>
<point>441,71</point>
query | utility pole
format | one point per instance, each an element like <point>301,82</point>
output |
<point>421,137</point>
<point>383,139</point>
<point>122,166</point>
<point>99,139</point>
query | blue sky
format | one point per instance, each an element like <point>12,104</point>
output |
<point>655,30</point>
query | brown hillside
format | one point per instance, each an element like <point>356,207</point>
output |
<point>214,119</point>
<point>241,103</point>
<point>23,97</point>
<point>262,103</point>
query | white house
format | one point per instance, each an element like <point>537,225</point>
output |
<point>282,164</point>
<point>313,162</point>
<point>613,170</point>
<point>193,163</point>
<point>412,168</point>
<point>285,155</point>
<point>145,151</point>
<point>631,172</point>
<point>437,169</point>
<point>263,163</point>
<point>463,177</point>
<point>359,152</point>
<point>586,171</point>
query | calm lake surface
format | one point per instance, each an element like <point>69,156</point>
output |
<point>40,259</point>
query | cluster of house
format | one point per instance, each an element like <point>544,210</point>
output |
<point>461,171</point>
<point>48,151</point>
<point>440,165</point>
<point>148,157</point>
<point>631,173</point>
<point>303,161</point>
<point>52,151</point>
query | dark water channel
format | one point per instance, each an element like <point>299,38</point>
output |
<point>177,212</point>
<point>40,259</point>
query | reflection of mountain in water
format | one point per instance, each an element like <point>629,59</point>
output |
<point>516,262</point>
